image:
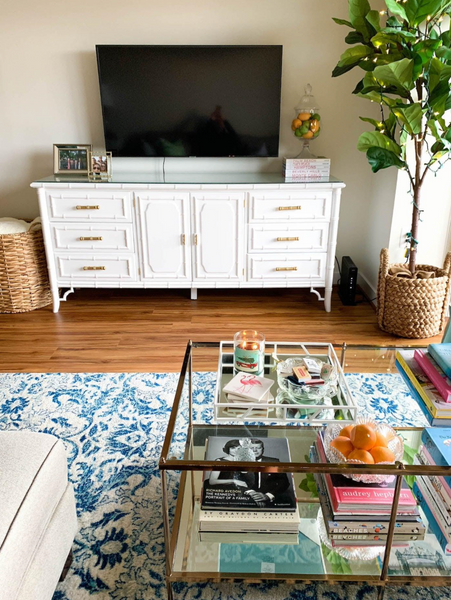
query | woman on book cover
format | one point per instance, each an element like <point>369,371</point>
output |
<point>228,479</point>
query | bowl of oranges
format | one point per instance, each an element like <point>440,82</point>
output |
<point>365,443</point>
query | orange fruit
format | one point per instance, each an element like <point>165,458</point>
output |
<point>314,126</point>
<point>363,437</point>
<point>343,445</point>
<point>346,431</point>
<point>296,123</point>
<point>308,135</point>
<point>381,440</point>
<point>381,454</point>
<point>305,116</point>
<point>362,455</point>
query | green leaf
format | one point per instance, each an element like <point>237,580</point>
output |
<point>410,480</point>
<point>435,73</point>
<point>380,158</point>
<point>393,22</point>
<point>444,53</point>
<point>342,22</point>
<point>354,37</point>
<point>439,96</point>
<point>342,70</point>
<point>409,453</point>
<point>434,129</point>
<point>377,97</point>
<point>358,9</point>
<point>374,19</point>
<point>396,9</point>
<point>373,122</point>
<point>417,11</point>
<point>353,55</point>
<point>404,35</point>
<point>384,37</point>
<point>411,117</point>
<point>425,49</point>
<point>448,103</point>
<point>399,73</point>
<point>371,139</point>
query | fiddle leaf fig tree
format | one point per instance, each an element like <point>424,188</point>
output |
<point>405,53</point>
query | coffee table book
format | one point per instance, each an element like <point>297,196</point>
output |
<point>234,490</point>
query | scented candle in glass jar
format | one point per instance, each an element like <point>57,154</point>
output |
<point>249,352</point>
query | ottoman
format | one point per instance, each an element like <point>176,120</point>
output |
<point>38,519</point>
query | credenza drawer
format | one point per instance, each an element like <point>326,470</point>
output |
<point>86,205</point>
<point>288,237</point>
<point>290,206</point>
<point>83,236</point>
<point>275,267</point>
<point>89,266</point>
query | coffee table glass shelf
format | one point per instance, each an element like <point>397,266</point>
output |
<point>190,560</point>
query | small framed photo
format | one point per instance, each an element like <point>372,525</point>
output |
<point>71,159</point>
<point>100,165</point>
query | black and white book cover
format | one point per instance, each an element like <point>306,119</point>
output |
<point>232,490</point>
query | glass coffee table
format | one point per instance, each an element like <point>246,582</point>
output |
<point>372,377</point>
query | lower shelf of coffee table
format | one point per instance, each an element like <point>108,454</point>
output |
<point>193,560</point>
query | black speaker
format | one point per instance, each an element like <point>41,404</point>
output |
<point>348,281</point>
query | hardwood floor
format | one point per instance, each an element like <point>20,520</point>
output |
<point>147,330</point>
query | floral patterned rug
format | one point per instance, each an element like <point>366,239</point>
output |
<point>113,426</point>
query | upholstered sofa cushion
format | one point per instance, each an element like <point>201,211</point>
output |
<point>33,479</point>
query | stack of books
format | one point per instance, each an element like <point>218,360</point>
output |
<point>358,514</point>
<point>306,169</point>
<point>245,507</point>
<point>427,373</point>
<point>434,493</point>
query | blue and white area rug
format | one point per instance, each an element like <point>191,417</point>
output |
<point>113,427</point>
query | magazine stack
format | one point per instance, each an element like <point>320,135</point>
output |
<point>358,514</point>
<point>428,376</point>
<point>434,493</point>
<point>253,506</point>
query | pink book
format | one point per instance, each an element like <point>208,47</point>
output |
<point>434,373</point>
<point>348,495</point>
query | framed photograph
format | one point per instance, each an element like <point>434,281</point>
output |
<point>71,159</point>
<point>100,165</point>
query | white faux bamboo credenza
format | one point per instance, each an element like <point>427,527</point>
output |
<point>130,233</point>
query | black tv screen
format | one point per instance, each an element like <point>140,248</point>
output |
<point>190,100</point>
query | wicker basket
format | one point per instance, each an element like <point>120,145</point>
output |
<point>24,280</point>
<point>413,308</point>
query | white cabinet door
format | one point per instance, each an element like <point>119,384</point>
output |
<point>218,235</point>
<point>165,243</point>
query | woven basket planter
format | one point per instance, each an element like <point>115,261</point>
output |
<point>24,280</point>
<point>413,308</point>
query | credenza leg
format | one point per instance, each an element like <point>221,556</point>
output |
<point>193,293</point>
<point>56,299</point>
<point>328,299</point>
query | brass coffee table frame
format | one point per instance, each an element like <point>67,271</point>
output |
<point>188,466</point>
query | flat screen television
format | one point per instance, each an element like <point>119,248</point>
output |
<point>206,101</point>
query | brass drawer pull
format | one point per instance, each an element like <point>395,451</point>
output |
<point>286,268</point>
<point>195,239</point>
<point>88,207</point>
<point>289,208</point>
<point>94,268</point>
<point>183,239</point>
<point>91,239</point>
<point>288,239</point>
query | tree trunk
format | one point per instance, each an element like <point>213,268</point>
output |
<point>414,229</point>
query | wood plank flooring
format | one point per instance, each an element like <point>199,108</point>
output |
<point>147,330</point>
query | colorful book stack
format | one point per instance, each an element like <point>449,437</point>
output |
<point>260,505</point>
<point>427,373</point>
<point>305,169</point>
<point>434,493</point>
<point>358,514</point>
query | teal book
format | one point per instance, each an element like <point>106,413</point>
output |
<point>437,441</point>
<point>441,353</point>
<point>296,559</point>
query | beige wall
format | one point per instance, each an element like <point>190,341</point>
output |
<point>49,89</point>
